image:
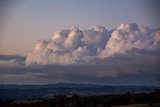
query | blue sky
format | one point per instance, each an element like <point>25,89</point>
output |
<point>32,20</point>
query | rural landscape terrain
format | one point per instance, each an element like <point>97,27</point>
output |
<point>78,95</point>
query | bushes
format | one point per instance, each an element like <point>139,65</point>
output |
<point>90,101</point>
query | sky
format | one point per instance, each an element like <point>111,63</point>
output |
<point>113,42</point>
<point>39,19</point>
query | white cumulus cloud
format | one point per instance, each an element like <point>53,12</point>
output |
<point>72,46</point>
<point>75,46</point>
<point>129,36</point>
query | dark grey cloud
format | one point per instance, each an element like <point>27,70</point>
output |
<point>119,69</point>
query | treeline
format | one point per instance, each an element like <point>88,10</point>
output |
<point>92,101</point>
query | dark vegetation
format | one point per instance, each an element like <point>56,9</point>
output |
<point>77,95</point>
<point>22,92</point>
<point>89,101</point>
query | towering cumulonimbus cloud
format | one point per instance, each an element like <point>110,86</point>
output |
<point>95,45</point>
<point>129,36</point>
<point>89,56</point>
<point>72,46</point>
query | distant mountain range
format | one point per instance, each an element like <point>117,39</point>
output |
<point>18,92</point>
